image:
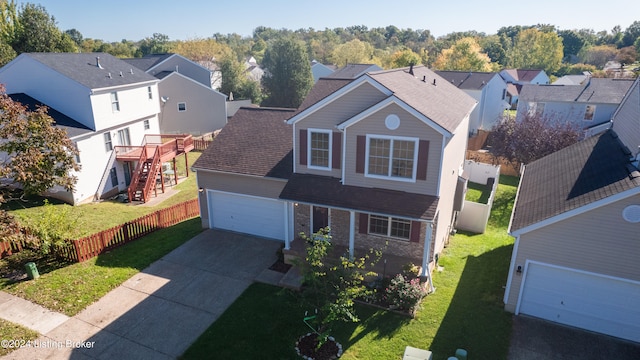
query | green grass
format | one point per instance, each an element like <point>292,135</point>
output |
<point>466,311</point>
<point>478,193</point>
<point>94,217</point>
<point>71,288</point>
<point>10,331</point>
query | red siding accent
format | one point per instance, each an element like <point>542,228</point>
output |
<point>303,146</point>
<point>363,226</point>
<point>337,153</point>
<point>415,231</point>
<point>423,159</point>
<point>361,150</point>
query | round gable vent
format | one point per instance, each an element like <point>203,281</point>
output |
<point>392,122</point>
<point>632,213</point>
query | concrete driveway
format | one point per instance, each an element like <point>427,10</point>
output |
<point>535,339</point>
<point>161,311</point>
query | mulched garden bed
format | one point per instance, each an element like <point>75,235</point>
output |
<point>280,267</point>
<point>307,347</point>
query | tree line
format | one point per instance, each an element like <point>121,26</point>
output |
<point>30,28</point>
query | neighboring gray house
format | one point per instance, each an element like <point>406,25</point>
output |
<point>587,105</point>
<point>489,90</point>
<point>352,71</point>
<point>377,158</point>
<point>515,78</point>
<point>188,103</point>
<point>319,70</point>
<point>572,79</point>
<point>576,220</point>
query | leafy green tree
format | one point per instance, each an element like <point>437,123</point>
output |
<point>464,55</point>
<point>6,53</point>
<point>598,55</point>
<point>156,44</point>
<point>352,52</point>
<point>572,42</point>
<point>403,58</point>
<point>287,78</point>
<point>631,34</point>
<point>494,48</point>
<point>36,31</point>
<point>36,155</point>
<point>75,35</point>
<point>234,80</point>
<point>535,49</point>
<point>626,55</point>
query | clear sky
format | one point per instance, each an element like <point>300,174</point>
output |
<point>114,20</point>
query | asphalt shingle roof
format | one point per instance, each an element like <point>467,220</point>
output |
<point>467,80</point>
<point>329,191</point>
<point>256,141</point>
<point>443,102</point>
<point>597,90</point>
<point>72,127</point>
<point>575,176</point>
<point>147,62</point>
<point>320,90</point>
<point>82,68</point>
<point>523,75</point>
<point>352,71</point>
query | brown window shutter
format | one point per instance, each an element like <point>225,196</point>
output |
<point>361,150</point>
<point>363,226</point>
<point>415,231</point>
<point>336,147</point>
<point>303,146</point>
<point>423,159</point>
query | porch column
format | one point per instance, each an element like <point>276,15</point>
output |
<point>287,214</point>
<point>425,256</point>
<point>352,233</point>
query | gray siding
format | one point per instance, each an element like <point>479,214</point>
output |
<point>598,241</point>
<point>627,121</point>
<point>235,183</point>
<point>185,67</point>
<point>205,107</point>
<point>409,127</point>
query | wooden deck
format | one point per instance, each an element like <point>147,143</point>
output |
<point>170,146</point>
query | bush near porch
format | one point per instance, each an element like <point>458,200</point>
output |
<point>466,311</point>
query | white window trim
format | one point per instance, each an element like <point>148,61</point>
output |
<point>150,92</point>
<point>146,124</point>
<point>412,179</point>
<point>114,101</point>
<point>110,142</point>
<point>389,221</point>
<point>316,167</point>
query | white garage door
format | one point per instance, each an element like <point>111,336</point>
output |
<point>589,301</point>
<point>247,214</point>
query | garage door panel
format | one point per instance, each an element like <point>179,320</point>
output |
<point>589,301</point>
<point>247,214</point>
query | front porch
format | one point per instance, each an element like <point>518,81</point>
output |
<point>388,265</point>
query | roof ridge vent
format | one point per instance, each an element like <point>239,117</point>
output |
<point>131,71</point>
<point>109,75</point>
<point>121,74</point>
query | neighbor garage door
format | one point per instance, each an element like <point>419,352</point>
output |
<point>247,214</point>
<point>589,301</point>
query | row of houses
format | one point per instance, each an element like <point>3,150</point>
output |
<point>378,156</point>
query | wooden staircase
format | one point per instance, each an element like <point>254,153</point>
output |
<point>144,177</point>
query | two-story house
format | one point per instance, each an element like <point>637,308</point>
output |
<point>377,158</point>
<point>586,105</point>
<point>188,103</point>
<point>516,78</point>
<point>490,91</point>
<point>107,107</point>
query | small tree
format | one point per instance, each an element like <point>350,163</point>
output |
<point>287,78</point>
<point>531,138</point>
<point>34,155</point>
<point>331,288</point>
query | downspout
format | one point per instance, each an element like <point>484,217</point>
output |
<point>425,257</point>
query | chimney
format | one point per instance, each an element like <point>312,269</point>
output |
<point>411,68</point>
<point>98,62</point>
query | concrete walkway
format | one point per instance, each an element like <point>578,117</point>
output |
<point>159,312</point>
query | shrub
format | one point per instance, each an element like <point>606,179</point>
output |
<point>53,228</point>
<point>405,294</point>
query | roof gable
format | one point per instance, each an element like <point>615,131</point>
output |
<point>573,178</point>
<point>92,70</point>
<point>352,71</point>
<point>594,90</point>
<point>467,80</point>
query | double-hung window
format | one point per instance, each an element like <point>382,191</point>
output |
<point>319,152</point>
<point>108,144</point>
<point>392,157</point>
<point>115,104</point>
<point>389,226</point>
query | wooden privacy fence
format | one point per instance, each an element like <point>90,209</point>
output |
<point>201,144</point>
<point>93,245</point>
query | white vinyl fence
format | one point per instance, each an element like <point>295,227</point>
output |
<point>474,216</point>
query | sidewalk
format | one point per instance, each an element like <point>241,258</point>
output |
<point>156,314</point>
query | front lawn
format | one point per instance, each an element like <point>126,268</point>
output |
<point>15,335</point>
<point>69,288</point>
<point>466,311</point>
